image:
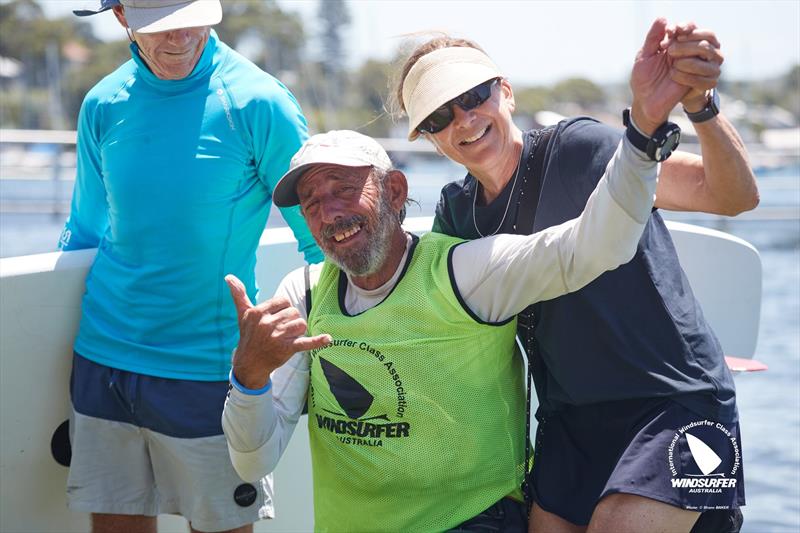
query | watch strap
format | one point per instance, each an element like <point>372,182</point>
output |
<point>710,111</point>
<point>636,137</point>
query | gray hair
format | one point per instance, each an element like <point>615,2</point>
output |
<point>380,176</point>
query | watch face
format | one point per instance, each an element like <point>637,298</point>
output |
<point>672,141</point>
<point>666,139</point>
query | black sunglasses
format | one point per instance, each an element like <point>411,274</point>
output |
<point>443,115</point>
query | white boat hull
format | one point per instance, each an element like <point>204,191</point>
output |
<point>39,312</point>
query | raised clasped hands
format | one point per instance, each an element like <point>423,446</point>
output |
<point>676,64</point>
<point>269,334</point>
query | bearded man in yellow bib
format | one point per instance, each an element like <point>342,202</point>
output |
<point>406,358</point>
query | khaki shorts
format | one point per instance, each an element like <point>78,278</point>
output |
<point>128,467</point>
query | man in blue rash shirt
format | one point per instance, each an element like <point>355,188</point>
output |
<point>178,152</point>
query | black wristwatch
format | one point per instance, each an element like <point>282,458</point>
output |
<point>660,145</point>
<point>710,111</point>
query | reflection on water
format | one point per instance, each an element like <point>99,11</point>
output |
<point>769,402</point>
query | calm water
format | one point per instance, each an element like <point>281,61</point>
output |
<point>769,402</point>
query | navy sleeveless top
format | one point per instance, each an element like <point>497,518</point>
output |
<point>636,331</point>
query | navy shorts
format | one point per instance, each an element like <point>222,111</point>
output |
<point>655,448</point>
<point>143,445</point>
<point>174,407</point>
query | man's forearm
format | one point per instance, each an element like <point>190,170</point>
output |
<point>255,438</point>
<point>259,423</point>
<point>258,427</point>
<point>721,182</point>
<point>728,176</point>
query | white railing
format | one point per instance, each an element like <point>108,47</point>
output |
<point>56,165</point>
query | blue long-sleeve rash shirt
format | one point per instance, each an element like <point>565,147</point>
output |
<point>173,187</point>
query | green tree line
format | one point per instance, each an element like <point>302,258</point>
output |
<point>61,59</point>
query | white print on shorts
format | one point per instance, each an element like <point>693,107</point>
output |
<point>706,441</point>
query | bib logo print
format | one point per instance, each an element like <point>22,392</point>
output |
<point>358,421</point>
<point>353,398</point>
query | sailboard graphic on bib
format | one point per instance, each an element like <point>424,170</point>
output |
<point>706,458</point>
<point>351,395</point>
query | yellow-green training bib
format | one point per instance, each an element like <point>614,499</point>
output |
<point>416,410</point>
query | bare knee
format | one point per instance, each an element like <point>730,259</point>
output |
<point>628,513</point>
<point>121,523</point>
<point>545,522</point>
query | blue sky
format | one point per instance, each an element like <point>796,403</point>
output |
<point>537,41</point>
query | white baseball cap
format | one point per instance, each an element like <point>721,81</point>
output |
<point>153,16</point>
<point>338,147</point>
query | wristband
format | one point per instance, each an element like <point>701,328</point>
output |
<point>244,390</point>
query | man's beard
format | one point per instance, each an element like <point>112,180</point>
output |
<point>370,257</point>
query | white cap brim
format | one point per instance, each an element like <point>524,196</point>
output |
<point>343,148</point>
<point>192,14</point>
<point>285,193</point>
